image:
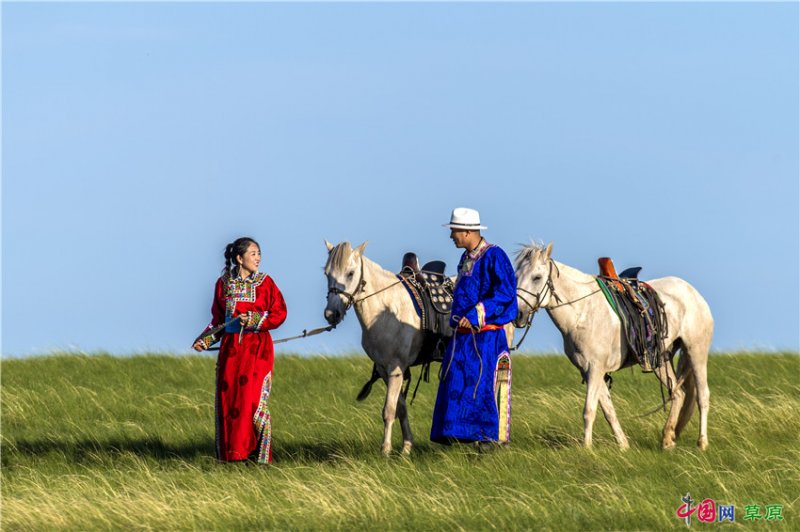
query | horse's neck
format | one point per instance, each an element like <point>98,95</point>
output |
<point>381,292</point>
<point>573,288</point>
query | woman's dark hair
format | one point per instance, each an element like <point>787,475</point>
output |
<point>233,250</point>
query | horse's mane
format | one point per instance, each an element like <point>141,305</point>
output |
<point>528,253</point>
<point>339,256</point>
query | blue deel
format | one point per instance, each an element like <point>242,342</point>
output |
<point>465,404</point>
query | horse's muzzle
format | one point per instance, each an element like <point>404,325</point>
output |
<point>333,317</point>
<point>521,320</point>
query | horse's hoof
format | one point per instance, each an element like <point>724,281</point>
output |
<point>667,445</point>
<point>407,448</point>
<point>702,443</point>
<point>386,450</point>
<point>624,446</point>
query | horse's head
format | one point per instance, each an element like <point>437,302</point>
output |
<point>533,268</point>
<point>345,272</point>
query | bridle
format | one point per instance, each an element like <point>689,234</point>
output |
<point>351,298</point>
<point>548,287</point>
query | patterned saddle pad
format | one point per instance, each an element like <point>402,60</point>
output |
<point>431,291</point>
<point>642,315</point>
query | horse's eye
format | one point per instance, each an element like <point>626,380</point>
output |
<point>537,277</point>
<point>350,275</point>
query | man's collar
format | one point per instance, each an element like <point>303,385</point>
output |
<point>483,244</point>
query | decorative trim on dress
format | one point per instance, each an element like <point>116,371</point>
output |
<point>255,319</point>
<point>244,290</point>
<point>208,340</point>
<point>263,423</point>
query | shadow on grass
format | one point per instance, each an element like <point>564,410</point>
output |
<point>284,452</point>
<point>87,451</point>
<point>93,450</point>
<point>331,451</point>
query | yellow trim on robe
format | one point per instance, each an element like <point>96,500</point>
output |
<point>481,311</point>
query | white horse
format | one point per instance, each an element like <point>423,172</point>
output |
<point>391,330</point>
<point>594,340</point>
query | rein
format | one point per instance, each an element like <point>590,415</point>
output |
<point>304,334</point>
<point>528,324</point>
<point>452,355</point>
<point>575,300</point>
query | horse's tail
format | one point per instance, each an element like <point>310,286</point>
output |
<point>367,388</point>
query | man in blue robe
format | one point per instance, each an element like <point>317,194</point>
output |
<point>475,372</point>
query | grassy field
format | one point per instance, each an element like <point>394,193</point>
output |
<point>107,443</point>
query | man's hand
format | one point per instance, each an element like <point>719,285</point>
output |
<point>464,323</point>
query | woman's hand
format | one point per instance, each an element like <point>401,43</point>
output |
<point>199,345</point>
<point>244,318</point>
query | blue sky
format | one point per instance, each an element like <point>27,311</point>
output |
<point>138,139</point>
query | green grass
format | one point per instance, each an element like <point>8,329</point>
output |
<point>96,442</point>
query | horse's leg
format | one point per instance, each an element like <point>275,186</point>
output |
<point>405,426</point>
<point>594,383</point>
<point>611,416</point>
<point>394,382</point>
<point>698,360</point>
<point>675,383</point>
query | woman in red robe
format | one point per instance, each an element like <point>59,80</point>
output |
<point>247,305</point>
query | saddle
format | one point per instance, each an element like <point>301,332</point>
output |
<point>432,293</point>
<point>639,309</point>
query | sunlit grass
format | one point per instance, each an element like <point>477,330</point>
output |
<point>102,442</point>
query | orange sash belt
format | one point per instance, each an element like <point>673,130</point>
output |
<point>489,327</point>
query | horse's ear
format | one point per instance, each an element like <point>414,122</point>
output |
<point>548,250</point>
<point>329,246</point>
<point>360,249</point>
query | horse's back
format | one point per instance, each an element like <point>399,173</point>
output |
<point>688,312</point>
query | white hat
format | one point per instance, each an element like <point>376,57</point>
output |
<point>463,218</point>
